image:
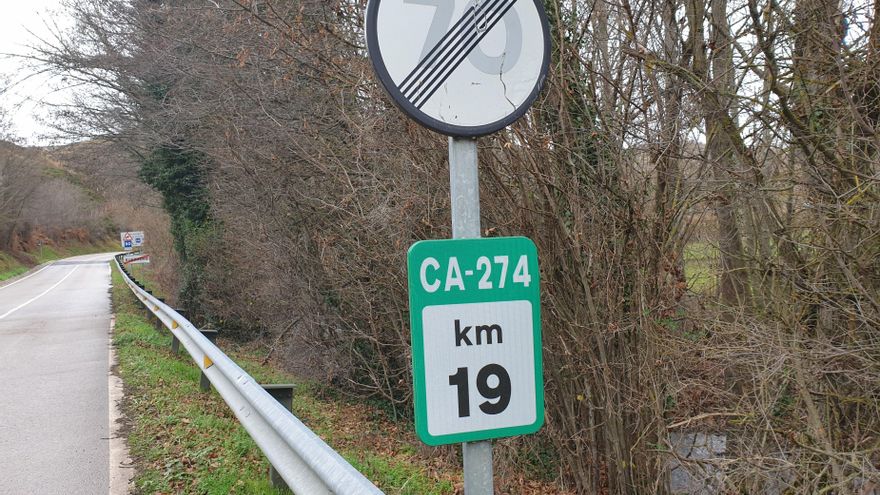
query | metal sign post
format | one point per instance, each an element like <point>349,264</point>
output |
<point>478,475</point>
<point>468,68</point>
<point>476,331</point>
<point>464,187</point>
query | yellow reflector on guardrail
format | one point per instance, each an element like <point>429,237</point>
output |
<point>208,362</point>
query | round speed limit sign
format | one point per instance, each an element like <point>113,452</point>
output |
<point>464,68</point>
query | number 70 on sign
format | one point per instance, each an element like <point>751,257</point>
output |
<point>476,339</point>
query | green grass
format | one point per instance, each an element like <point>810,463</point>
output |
<point>145,275</point>
<point>52,253</point>
<point>10,267</point>
<point>186,441</point>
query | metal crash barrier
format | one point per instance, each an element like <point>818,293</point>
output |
<point>306,464</point>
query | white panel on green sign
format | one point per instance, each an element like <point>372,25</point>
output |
<point>470,336</point>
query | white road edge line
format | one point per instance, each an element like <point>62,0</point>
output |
<point>13,310</point>
<point>120,467</point>
<point>25,278</point>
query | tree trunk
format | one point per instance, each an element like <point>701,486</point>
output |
<point>720,150</point>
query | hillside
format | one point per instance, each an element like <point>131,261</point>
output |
<point>66,201</point>
<point>40,204</point>
<point>110,174</point>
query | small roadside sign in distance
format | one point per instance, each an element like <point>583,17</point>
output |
<point>464,68</point>
<point>476,339</point>
<point>126,240</point>
<point>136,259</point>
<point>132,239</point>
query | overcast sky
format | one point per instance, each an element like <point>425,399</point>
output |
<point>23,101</point>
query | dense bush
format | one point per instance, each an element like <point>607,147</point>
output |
<point>178,174</point>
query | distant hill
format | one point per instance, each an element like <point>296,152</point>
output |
<point>107,175</point>
<point>56,197</point>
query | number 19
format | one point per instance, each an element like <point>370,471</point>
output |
<point>501,391</point>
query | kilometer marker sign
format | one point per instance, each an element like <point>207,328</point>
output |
<point>476,339</point>
<point>464,68</point>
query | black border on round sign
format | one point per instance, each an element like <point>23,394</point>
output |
<point>431,123</point>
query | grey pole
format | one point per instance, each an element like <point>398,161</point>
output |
<point>464,186</point>
<point>478,477</point>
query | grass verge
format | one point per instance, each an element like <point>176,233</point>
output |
<point>10,267</point>
<point>145,275</point>
<point>185,441</point>
<point>52,253</point>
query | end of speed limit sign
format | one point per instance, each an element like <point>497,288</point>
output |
<point>476,339</point>
<point>464,68</point>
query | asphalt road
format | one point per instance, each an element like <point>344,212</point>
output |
<point>54,341</point>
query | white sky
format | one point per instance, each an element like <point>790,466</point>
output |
<point>23,100</point>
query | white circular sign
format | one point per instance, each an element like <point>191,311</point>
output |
<point>460,67</point>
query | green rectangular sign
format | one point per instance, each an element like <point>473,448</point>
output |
<point>476,339</point>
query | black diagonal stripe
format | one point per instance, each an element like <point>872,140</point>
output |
<point>454,52</point>
<point>441,76</point>
<point>471,42</point>
<point>447,39</point>
<point>449,42</point>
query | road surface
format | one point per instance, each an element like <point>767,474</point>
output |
<point>54,344</point>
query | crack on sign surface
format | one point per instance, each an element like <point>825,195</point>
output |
<point>442,102</point>
<point>501,78</point>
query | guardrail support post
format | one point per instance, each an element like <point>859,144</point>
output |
<point>150,316</point>
<point>175,344</point>
<point>283,393</point>
<point>211,335</point>
<point>157,322</point>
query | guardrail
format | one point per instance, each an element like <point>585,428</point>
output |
<point>307,464</point>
